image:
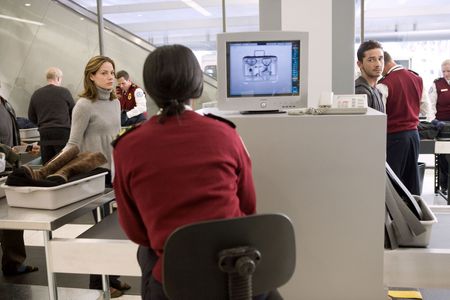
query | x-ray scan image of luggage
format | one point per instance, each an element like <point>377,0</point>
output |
<point>260,67</point>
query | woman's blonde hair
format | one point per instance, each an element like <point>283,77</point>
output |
<point>90,90</point>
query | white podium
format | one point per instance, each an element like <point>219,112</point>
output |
<point>327,173</point>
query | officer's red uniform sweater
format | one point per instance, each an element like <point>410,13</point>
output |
<point>403,103</point>
<point>443,99</point>
<point>189,169</point>
<point>126,99</point>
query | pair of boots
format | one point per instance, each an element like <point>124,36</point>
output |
<point>67,163</point>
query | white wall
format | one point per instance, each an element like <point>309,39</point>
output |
<point>315,18</point>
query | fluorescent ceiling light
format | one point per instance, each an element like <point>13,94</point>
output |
<point>21,20</point>
<point>197,7</point>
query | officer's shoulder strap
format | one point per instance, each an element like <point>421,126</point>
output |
<point>215,117</point>
<point>123,132</point>
<point>413,72</point>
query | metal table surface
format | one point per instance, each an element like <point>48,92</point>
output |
<point>49,220</point>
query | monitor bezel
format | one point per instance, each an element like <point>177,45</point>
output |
<point>256,102</point>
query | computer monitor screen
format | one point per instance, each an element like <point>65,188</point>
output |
<point>262,71</point>
<point>263,68</point>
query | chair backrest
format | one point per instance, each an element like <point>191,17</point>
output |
<point>191,255</point>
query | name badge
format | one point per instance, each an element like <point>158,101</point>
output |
<point>444,90</point>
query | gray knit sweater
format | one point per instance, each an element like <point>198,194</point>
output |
<point>95,124</point>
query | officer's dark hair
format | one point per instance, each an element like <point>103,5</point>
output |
<point>366,46</point>
<point>172,76</point>
<point>122,73</point>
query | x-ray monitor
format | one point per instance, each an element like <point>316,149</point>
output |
<point>262,71</point>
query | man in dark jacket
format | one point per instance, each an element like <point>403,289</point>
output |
<point>13,245</point>
<point>371,63</point>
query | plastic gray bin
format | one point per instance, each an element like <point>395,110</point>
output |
<point>423,239</point>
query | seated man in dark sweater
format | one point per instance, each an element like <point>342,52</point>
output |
<point>51,108</point>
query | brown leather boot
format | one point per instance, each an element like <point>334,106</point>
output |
<point>84,162</point>
<point>57,162</point>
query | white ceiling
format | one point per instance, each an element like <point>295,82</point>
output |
<point>173,21</point>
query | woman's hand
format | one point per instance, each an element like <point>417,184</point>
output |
<point>35,150</point>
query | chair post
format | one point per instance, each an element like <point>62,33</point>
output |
<point>240,264</point>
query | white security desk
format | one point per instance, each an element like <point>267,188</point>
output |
<point>327,173</point>
<point>47,221</point>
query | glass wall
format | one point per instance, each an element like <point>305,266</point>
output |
<point>37,34</point>
<point>35,37</point>
<point>194,24</point>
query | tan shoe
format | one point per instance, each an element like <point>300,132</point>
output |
<point>123,286</point>
<point>115,293</point>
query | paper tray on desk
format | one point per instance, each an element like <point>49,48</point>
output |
<point>56,196</point>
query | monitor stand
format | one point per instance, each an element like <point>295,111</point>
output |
<point>260,112</point>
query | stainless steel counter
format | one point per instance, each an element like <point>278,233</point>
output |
<point>47,221</point>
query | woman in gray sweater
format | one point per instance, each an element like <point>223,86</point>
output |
<point>96,115</point>
<point>95,124</point>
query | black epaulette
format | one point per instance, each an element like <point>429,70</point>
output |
<point>436,80</point>
<point>413,72</point>
<point>123,132</point>
<point>228,122</point>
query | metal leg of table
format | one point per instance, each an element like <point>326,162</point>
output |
<point>105,285</point>
<point>52,291</point>
<point>103,211</point>
<point>447,158</point>
<point>99,213</point>
<point>436,174</point>
<point>437,177</point>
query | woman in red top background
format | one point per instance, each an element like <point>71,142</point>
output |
<point>179,167</point>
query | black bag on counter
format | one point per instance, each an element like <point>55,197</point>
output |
<point>427,130</point>
<point>444,133</point>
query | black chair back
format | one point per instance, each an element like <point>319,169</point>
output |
<point>191,268</point>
